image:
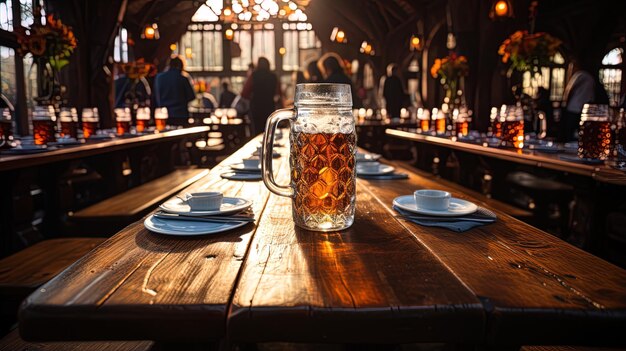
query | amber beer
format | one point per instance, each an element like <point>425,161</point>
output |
<point>461,128</point>
<point>513,133</point>
<point>323,177</point>
<point>5,133</point>
<point>43,131</point>
<point>496,128</point>
<point>160,118</point>
<point>594,139</point>
<point>440,125</point>
<point>424,125</point>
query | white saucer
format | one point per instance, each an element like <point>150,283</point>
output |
<point>458,207</point>
<point>241,176</point>
<point>242,167</point>
<point>185,228</point>
<point>274,155</point>
<point>360,156</point>
<point>229,205</point>
<point>382,169</point>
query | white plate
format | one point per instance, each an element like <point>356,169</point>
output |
<point>360,156</point>
<point>185,228</point>
<point>382,169</point>
<point>242,167</point>
<point>241,176</point>
<point>458,207</point>
<point>229,205</point>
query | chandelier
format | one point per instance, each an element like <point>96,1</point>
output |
<point>261,10</point>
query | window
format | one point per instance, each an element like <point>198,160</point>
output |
<point>263,46</point>
<point>299,41</point>
<point>611,75</point>
<point>551,78</point>
<point>244,39</point>
<point>7,73</point>
<point>6,15</point>
<point>202,47</point>
<point>120,47</point>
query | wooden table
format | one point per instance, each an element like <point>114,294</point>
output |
<point>384,280</point>
<point>91,148</point>
<point>602,173</point>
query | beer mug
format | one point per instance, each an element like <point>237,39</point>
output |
<point>595,134</point>
<point>322,160</point>
<point>512,117</point>
<point>44,123</point>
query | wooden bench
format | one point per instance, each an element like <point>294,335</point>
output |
<point>511,210</point>
<point>24,271</point>
<point>118,211</point>
<point>13,342</point>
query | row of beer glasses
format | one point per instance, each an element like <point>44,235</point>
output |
<point>438,122</point>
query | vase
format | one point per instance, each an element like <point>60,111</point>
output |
<point>48,85</point>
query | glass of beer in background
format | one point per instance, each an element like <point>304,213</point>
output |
<point>143,119</point>
<point>44,122</point>
<point>423,116</point>
<point>90,121</point>
<point>594,134</point>
<point>439,119</point>
<point>512,126</point>
<point>160,118</point>
<point>495,128</point>
<point>6,129</point>
<point>461,122</point>
<point>122,120</point>
<point>68,121</point>
<point>322,160</point>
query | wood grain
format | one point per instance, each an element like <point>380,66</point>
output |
<point>602,173</point>
<point>95,148</point>
<point>138,200</point>
<point>370,283</point>
<point>535,288</point>
<point>144,286</point>
<point>13,342</point>
<point>23,272</point>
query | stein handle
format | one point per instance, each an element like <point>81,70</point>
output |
<point>268,151</point>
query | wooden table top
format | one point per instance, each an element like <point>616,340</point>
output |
<point>599,172</point>
<point>383,280</point>
<point>10,162</point>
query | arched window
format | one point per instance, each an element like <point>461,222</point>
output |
<point>611,75</point>
<point>551,77</point>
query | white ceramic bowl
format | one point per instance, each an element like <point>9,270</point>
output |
<point>207,201</point>
<point>436,200</point>
<point>369,166</point>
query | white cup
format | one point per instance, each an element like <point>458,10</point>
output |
<point>207,201</point>
<point>435,200</point>
<point>368,166</point>
<point>252,162</point>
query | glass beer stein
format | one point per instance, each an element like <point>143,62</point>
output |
<point>512,117</point>
<point>322,160</point>
<point>594,134</point>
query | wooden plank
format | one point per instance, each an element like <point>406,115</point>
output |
<point>602,173</point>
<point>28,269</point>
<point>144,286</point>
<point>13,342</point>
<point>95,148</point>
<point>536,288</point>
<point>140,199</point>
<point>504,207</point>
<point>372,283</point>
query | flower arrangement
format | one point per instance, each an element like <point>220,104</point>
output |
<point>53,42</point>
<point>138,69</point>
<point>450,68</point>
<point>526,50</point>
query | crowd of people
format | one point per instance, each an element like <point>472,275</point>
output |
<point>261,94</point>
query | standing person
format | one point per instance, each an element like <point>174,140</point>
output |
<point>393,92</point>
<point>313,74</point>
<point>263,91</point>
<point>332,70</point>
<point>227,97</point>
<point>174,90</point>
<point>578,91</point>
